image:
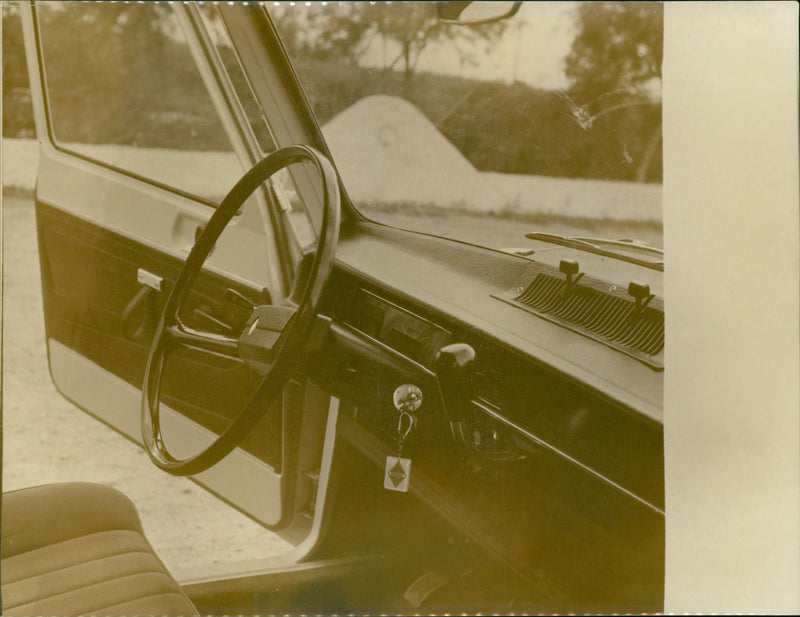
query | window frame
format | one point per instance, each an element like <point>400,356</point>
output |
<point>212,87</point>
<point>287,258</point>
<point>279,91</point>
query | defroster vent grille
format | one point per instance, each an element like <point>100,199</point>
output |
<point>595,309</point>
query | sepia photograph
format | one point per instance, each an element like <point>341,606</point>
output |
<point>364,308</point>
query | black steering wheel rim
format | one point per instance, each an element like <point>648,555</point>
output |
<point>171,333</point>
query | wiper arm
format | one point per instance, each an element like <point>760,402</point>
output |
<point>628,244</point>
<point>570,241</point>
<point>592,245</point>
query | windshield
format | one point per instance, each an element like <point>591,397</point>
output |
<point>549,121</point>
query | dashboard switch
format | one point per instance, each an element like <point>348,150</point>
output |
<point>569,267</point>
<point>457,355</point>
<point>571,270</point>
<point>641,294</point>
<point>454,371</point>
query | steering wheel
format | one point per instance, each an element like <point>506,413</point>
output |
<point>275,337</point>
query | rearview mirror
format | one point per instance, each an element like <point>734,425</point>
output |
<point>467,13</point>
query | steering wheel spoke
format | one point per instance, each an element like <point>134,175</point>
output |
<point>276,338</point>
<point>184,336</point>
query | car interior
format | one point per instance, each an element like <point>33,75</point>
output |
<point>436,425</point>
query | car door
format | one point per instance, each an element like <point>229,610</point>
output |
<point>144,125</point>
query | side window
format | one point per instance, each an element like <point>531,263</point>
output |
<point>123,89</point>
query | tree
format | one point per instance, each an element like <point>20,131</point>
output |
<point>14,74</point>
<point>348,30</point>
<point>619,47</point>
<point>17,108</point>
<point>615,56</point>
<point>321,31</point>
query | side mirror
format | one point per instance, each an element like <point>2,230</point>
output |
<point>469,13</point>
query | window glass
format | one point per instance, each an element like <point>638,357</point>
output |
<point>547,121</point>
<point>124,90</point>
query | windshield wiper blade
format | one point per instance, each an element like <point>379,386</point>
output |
<point>628,244</point>
<point>592,245</point>
<point>569,241</point>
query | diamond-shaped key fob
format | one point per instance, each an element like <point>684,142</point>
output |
<point>397,474</point>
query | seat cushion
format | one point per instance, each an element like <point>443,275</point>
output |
<point>78,549</point>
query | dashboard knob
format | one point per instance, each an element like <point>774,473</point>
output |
<point>455,368</point>
<point>457,355</point>
<point>407,398</point>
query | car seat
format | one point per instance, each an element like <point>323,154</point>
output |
<point>79,549</point>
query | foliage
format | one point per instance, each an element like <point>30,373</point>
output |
<point>521,129</point>
<point>619,47</point>
<point>120,73</point>
<point>17,109</point>
<point>497,127</point>
<point>14,75</point>
<point>346,31</point>
<point>615,56</point>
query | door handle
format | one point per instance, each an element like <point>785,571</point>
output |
<point>142,303</point>
<point>149,279</point>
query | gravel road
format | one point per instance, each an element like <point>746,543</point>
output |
<point>47,439</point>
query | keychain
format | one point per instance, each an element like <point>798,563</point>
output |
<point>397,473</point>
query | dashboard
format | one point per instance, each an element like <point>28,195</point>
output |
<point>410,335</point>
<point>533,463</point>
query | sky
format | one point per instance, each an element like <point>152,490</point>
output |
<point>533,49</point>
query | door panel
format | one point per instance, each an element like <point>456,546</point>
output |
<point>118,207</point>
<point>87,314</point>
<point>89,281</point>
<point>117,403</point>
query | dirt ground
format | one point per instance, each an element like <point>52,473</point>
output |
<point>47,439</point>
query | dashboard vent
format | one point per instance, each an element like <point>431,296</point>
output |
<point>595,309</point>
